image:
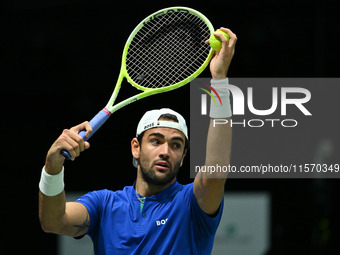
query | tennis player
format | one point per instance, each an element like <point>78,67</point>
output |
<point>156,215</point>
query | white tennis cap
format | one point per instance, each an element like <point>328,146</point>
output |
<point>151,120</point>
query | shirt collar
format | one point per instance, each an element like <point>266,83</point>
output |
<point>165,194</point>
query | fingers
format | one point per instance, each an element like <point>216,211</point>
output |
<point>231,42</point>
<point>71,141</point>
<point>224,40</point>
<point>221,60</point>
<point>83,126</point>
<point>86,145</point>
<point>230,33</point>
<point>88,128</point>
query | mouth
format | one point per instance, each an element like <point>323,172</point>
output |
<point>162,165</point>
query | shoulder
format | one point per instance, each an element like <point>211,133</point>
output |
<point>185,193</point>
<point>96,197</point>
<point>104,196</point>
<point>97,194</point>
<point>187,188</point>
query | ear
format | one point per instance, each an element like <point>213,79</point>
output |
<point>184,153</point>
<point>135,148</point>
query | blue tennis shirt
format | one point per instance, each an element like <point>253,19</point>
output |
<point>169,222</point>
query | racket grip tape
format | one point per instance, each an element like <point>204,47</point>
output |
<point>96,122</point>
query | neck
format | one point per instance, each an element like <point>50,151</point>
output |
<point>146,189</point>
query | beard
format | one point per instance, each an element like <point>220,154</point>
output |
<point>149,173</point>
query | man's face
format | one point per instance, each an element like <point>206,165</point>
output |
<point>161,155</point>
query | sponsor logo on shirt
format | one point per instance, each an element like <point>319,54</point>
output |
<point>161,222</point>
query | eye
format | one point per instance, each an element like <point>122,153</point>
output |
<point>154,141</point>
<point>177,146</point>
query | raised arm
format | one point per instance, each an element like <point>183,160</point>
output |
<point>57,216</point>
<point>209,187</point>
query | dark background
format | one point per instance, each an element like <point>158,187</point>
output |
<point>60,62</point>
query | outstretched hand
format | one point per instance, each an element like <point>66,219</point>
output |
<point>221,60</point>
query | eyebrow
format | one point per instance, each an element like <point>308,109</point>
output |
<point>176,138</point>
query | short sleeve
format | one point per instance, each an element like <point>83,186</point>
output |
<point>206,225</point>
<point>93,201</point>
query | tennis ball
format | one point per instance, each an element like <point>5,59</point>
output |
<point>215,42</point>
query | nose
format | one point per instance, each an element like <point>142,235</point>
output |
<point>164,151</point>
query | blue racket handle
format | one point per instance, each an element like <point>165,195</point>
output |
<point>96,122</point>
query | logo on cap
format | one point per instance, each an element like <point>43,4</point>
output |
<point>149,126</point>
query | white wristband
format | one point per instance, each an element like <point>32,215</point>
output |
<point>218,111</point>
<point>51,185</point>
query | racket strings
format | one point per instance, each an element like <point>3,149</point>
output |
<point>167,50</point>
<point>173,73</point>
<point>161,58</point>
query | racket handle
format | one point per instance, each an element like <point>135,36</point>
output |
<point>96,122</point>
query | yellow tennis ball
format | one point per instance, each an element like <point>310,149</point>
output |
<point>215,42</point>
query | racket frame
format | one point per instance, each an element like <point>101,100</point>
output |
<point>101,117</point>
<point>151,91</point>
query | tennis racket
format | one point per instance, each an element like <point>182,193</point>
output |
<point>164,52</point>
